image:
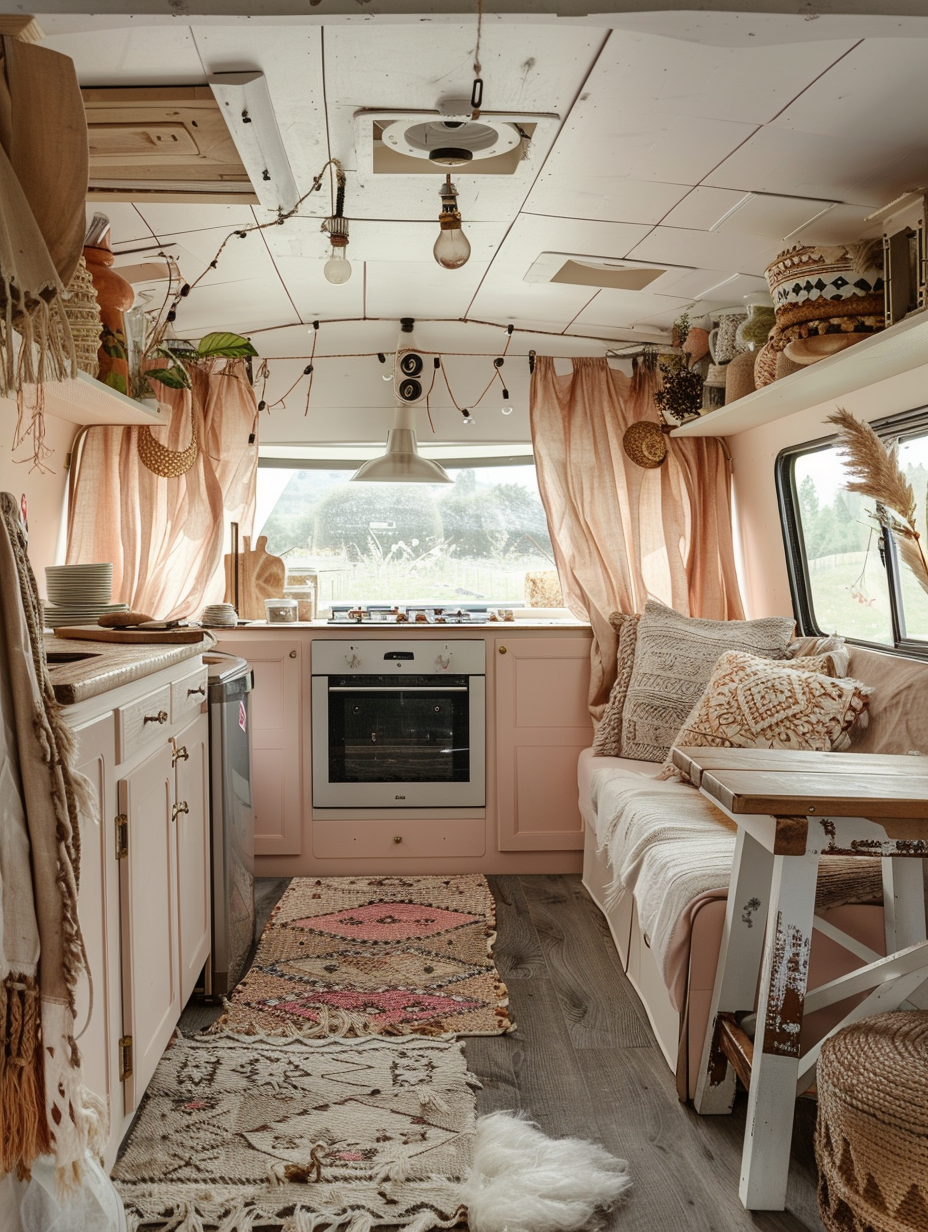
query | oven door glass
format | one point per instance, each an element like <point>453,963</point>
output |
<point>385,730</point>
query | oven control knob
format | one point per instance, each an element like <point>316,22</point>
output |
<point>353,661</point>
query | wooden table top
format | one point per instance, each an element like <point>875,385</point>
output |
<point>789,783</point>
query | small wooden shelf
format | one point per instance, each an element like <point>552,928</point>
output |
<point>892,352</point>
<point>87,401</point>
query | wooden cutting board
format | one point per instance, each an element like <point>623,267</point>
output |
<point>129,637</point>
<point>260,576</point>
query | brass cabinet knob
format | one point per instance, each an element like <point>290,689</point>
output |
<point>292,654</point>
<point>502,650</point>
<point>160,717</point>
<point>397,838</point>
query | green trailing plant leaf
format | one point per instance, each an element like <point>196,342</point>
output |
<point>228,346</point>
<point>115,380</point>
<point>175,378</point>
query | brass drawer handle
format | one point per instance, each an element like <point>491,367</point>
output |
<point>176,811</point>
<point>178,754</point>
<point>160,717</point>
<point>201,691</point>
<point>397,838</point>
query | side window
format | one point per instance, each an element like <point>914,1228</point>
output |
<point>849,576</point>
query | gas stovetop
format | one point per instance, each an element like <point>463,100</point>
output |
<point>411,614</point>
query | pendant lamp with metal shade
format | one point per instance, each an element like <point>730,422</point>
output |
<point>402,462</point>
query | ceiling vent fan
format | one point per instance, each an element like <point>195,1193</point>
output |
<point>431,142</point>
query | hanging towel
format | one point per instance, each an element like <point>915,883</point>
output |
<point>44,1108</point>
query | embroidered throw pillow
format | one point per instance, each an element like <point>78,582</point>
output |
<point>674,658</point>
<point>753,703</point>
<point>608,740</point>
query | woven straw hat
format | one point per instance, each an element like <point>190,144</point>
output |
<point>645,443</point>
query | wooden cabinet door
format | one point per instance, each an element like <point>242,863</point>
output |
<point>148,898</point>
<point>276,741</point>
<point>192,835</point>
<point>542,725</point>
<point>98,909</point>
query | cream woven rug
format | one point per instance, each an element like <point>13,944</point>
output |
<point>358,956</point>
<point>247,1132</point>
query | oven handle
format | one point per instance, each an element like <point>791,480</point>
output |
<point>399,688</point>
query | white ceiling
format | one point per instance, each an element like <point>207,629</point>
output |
<point>666,122</point>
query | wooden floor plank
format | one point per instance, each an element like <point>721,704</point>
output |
<point>518,953</point>
<point>600,1008</point>
<point>684,1167</point>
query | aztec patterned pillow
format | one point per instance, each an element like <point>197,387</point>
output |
<point>753,703</point>
<point>608,741</point>
<point>674,658</point>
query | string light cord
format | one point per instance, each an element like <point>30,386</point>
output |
<point>282,217</point>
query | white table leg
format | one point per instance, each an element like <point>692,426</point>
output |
<point>739,960</point>
<point>904,911</point>
<point>772,1096</point>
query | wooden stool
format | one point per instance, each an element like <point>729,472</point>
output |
<point>871,1142</point>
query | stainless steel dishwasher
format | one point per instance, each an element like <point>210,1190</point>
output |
<point>232,819</point>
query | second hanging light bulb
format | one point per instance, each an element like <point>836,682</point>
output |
<point>452,248</point>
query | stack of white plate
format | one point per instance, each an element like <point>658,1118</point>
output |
<point>78,594</point>
<point>219,616</point>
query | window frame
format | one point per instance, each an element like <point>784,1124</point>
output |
<point>896,427</point>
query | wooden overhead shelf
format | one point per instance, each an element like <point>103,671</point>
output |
<point>890,353</point>
<point>86,401</point>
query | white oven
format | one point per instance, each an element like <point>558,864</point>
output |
<point>399,723</point>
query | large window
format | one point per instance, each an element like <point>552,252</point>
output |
<point>847,572</point>
<point>472,542</point>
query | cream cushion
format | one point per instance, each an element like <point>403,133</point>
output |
<point>674,658</point>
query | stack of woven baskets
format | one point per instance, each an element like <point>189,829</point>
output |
<point>826,299</point>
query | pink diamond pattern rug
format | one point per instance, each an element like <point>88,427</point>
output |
<point>358,956</point>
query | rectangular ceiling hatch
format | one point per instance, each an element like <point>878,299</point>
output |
<point>162,143</point>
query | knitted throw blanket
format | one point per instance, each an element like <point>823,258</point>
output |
<point>44,1108</point>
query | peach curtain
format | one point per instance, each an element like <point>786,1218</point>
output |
<point>165,537</point>
<point>622,532</point>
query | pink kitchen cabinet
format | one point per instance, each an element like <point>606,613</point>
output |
<point>279,734</point>
<point>542,725</point>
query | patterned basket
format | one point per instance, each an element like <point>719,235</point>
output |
<point>826,284</point>
<point>82,312</point>
<point>872,1135</point>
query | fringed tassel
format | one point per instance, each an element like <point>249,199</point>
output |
<point>26,1133</point>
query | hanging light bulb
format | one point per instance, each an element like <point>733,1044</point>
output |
<point>337,269</point>
<point>507,407</point>
<point>451,248</point>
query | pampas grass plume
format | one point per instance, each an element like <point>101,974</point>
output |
<point>523,1181</point>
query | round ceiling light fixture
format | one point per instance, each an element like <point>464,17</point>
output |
<point>450,143</point>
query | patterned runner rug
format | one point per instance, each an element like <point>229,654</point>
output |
<point>249,1132</point>
<point>358,956</point>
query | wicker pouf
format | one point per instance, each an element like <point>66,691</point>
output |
<point>872,1134</point>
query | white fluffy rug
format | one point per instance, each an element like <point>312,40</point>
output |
<point>522,1181</point>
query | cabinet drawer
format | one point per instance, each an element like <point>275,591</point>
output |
<point>188,696</point>
<point>141,724</point>
<point>376,840</point>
